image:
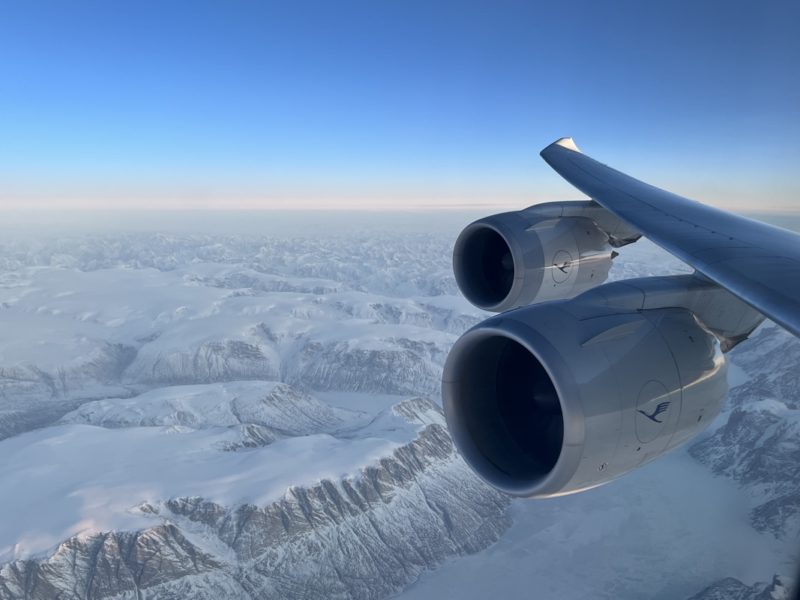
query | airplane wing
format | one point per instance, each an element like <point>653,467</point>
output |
<point>757,262</point>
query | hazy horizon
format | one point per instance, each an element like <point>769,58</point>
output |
<point>279,222</point>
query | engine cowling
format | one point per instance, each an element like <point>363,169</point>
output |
<point>517,258</point>
<point>560,397</point>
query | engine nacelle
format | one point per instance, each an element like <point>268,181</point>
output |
<point>546,252</point>
<point>564,396</point>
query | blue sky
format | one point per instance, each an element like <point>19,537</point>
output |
<point>190,104</point>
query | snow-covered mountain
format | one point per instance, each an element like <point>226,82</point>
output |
<point>176,511</point>
<point>265,403</point>
<point>758,445</point>
<point>255,416</point>
<point>72,335</point>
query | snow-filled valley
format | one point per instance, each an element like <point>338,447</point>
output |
<point>202,414</point>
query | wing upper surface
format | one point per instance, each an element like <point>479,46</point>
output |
<point>757,262</point>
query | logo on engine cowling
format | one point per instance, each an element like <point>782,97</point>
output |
<point>661,408</point>
<point>562,266</point>
<point>653,411</point>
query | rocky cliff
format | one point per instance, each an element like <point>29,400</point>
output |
<point>366,535</point>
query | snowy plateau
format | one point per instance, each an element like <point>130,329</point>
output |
<point>206,414</point>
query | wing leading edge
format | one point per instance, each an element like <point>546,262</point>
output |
<point>757,262</point>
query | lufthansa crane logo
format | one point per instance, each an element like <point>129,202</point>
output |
<point>562,265</point>
<point>661,408</point>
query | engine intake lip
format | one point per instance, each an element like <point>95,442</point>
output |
<point>486,267</point>
<point>513,450</point>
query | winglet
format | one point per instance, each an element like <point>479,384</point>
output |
<point>568,143</point>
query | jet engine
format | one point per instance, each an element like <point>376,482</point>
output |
<point>564,396</point>
<point>546,252</point>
